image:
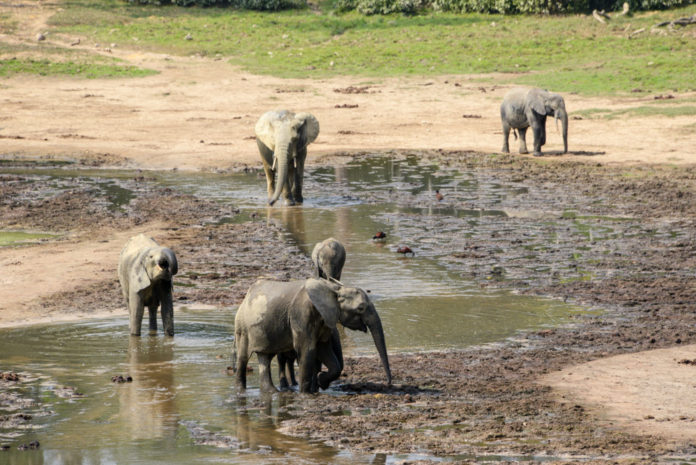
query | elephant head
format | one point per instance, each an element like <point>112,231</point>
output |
<point>328,257</point>
<point>156,264</point>
<point>550,104</point>
<point>287,136</point>
<point>352,308</point>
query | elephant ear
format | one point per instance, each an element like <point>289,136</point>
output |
<point>309,130</point>
<point>537,103</point>
<point>323,297</point>
<point>264,130</point>
<point>139,278</point>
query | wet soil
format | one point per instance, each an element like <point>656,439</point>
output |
<point>635,268</point>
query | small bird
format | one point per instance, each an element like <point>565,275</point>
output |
<point>404,249</point>
<point>439,196</point>
<point>379,236</point>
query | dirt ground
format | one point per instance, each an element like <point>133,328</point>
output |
<point>533,398</point>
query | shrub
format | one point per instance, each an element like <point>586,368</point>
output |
<point>385,7</point>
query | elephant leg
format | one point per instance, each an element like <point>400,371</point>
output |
<point>152,309</point>
<point>506,136</point>
<point>537,140</point>
<point>167,309</point>
<point>136,309</point>
<point>265,381</point>
<point>308,370</point>
<point>328,357</point>
<point>523,140</point>
<point>336,346</point>
<point>299,175</point>
<point>285,369</point>
<point>539,135</point>
<point>242,354</point>
<point>267,158</point>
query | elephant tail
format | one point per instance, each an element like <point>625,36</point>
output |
<point>514,133</point>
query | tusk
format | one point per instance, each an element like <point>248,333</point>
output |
<point>275,159</point>
<point>336,281</point>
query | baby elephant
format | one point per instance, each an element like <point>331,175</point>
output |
<point>522,108</point>
<point>145,271</point>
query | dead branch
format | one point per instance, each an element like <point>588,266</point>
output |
<point>678,22</point>
<point>600,15</point>
<point>624,12</point>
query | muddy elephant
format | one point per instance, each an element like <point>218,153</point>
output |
<point>277,317</point>
<point>328,257</point>
<point>145,271</point>
<point>282,138</point>
<point>522,108</point>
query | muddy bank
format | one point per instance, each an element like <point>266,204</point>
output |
<point>620,240</point>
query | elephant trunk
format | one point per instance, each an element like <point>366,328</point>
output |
<point>374,324</point>
<point>563,116</point>
<point>171,259</point>
<point>281,162</point>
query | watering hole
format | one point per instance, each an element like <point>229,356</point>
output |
<point>181,405</point>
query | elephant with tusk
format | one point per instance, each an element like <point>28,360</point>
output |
<point>282,137</point>
<point>278,317</point>
<point>145,271</point>
<point>522,108</point>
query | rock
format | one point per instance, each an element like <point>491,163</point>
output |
<point>188,37</point>
<point>40,37</point>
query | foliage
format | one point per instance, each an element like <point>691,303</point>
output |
<point>572,53</point>
<point>384,7</point>
<point>259,5</point>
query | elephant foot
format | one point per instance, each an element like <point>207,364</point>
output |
<point>506,150</point>
<point>537,154</point>
<point>524,151</point>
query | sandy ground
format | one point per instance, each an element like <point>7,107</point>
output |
<point>650,392</point>
<point>199,114</point>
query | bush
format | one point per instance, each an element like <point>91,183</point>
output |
<point>385,7</point>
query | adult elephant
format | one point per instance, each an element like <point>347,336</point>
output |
<point>277,317</point>
<point>522,108</point>
<point>328,257</point>
<point>282,137</point>
<point>145,271</point>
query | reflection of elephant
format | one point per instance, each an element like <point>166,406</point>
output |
<point>145,271</point>
<point>148,403</point>
<point>522,108</point>
<point>277,317</point>
<point>283,137</point>
<point>328,257</point>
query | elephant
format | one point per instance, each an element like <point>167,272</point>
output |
<point>145,271</point>
<point>282,137</point>
<point>280,316</point>
<point>522,108</point>
<point>328,257</point>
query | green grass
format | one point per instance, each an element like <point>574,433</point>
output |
<point>567,53</point>
<point>643,110</point>
<point>44,67</point>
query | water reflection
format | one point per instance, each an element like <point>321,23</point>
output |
<point>147,406</point>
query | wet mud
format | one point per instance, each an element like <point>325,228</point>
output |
<point>620,240</point>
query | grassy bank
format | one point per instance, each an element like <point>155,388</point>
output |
<point>566,53</point>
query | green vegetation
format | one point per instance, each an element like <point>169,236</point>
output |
<point>46,67</point>
<point>644,110</point>
<point>567,53</point>
<point>8,238</point>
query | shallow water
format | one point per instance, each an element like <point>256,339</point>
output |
<point>181,406</point>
